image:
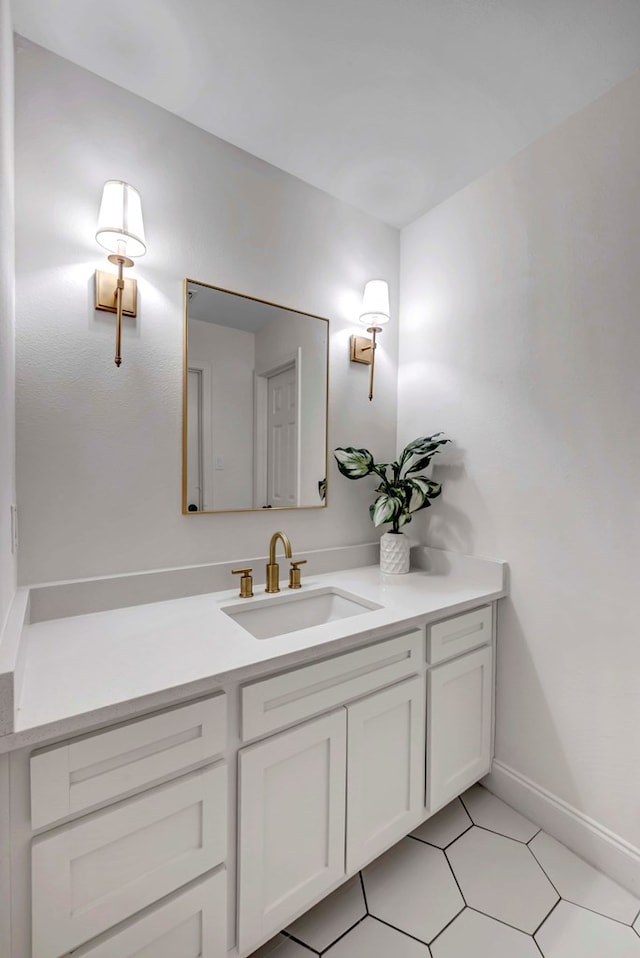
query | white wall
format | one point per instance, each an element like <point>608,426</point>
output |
<point>98,453</point>
<point>520,337</point>
<point>7,319</point>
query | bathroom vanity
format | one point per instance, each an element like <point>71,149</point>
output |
<point>182,788</point>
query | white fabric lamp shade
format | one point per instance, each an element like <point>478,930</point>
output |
<point>120,219</point>
<point>375,303</point>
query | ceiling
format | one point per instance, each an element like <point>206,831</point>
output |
<point>390,105</point>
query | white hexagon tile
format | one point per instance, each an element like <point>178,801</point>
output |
<point>477,880</point>
<point>411,888</point>
<point>445,826</point>
<point>500,877</point>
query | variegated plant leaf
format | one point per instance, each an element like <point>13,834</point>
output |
<point>421,491</point>
<point>354,463</point>
<point>385,509</point>
<point>322,489</point>
<point>419,453</point>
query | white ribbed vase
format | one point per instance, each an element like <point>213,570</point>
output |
<point>394,553</point>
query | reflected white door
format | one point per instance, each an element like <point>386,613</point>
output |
<point>194,440</point>
<point>282,438</point>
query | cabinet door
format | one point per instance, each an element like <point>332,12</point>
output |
<point>291,824</point>
<point>385,769</point>
<point>459,701</point>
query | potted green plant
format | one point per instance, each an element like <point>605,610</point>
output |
<point>400,493</point>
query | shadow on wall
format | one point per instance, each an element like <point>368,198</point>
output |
<point>514,656</point>
<point>444,526</point>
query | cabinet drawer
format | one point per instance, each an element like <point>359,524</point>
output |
<point>460,634</point>
<point>99,768</point>
<point>98,871</point>
<point>192,924</point>
<point>276,702</point>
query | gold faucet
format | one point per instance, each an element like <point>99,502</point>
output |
<point>273,569</point>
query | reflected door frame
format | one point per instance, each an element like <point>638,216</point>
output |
<point>206,431</point>
<point>260,429</point>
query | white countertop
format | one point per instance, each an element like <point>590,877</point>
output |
<point>85,670</point>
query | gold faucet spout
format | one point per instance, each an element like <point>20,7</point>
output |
<point>284,539</point>
<point>273,569</point>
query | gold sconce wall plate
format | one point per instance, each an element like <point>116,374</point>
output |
<point>361,350</point>
<point>106,293</point>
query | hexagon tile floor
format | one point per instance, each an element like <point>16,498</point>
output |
<point>475,881</point>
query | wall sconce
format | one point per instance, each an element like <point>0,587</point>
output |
<point>373,314</point>
<point>121,231</point>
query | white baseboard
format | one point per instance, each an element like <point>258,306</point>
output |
<point>598,845</point>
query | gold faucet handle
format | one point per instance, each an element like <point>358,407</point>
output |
<point>294,574</point>
<point>246,582</point>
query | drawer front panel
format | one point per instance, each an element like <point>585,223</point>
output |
<point>92,874</point>
<point>192,924</point>
<point>285,699</point>
<point>75,776</point>
<point>458,635</point>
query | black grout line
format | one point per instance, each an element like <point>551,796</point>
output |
<point>461,800</point>
<point>343,935</point>
<point>538,947</point>
<point>454,877</point>
<point>546,917</point>
<point>298,941</point>
<point>533,836</point>
<point>533,855</point>
<point>468,829</point>
<point>501,921</point>
<point>442,848</point>
<point>594,911</point>
<point>364,894</point>
<point>492,831</point>
<point>449,923</point>
<point>395,928</point>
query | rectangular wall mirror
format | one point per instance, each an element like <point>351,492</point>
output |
<point>255,404</point>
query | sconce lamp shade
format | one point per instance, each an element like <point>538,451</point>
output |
<point>375,303</point>
<point>120,220</point>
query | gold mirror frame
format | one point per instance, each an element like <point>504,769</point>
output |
<point>254,299</point>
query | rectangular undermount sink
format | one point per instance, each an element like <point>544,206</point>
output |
<point>270,616</point>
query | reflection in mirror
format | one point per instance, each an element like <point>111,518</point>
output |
<point>255,404</point>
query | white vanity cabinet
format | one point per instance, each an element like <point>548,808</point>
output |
<point>294,840</point>
<point>205,828</point>
<point>459,705</point>
<point>93,873</point>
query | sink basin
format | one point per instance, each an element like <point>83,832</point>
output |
<point>266,617</point>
